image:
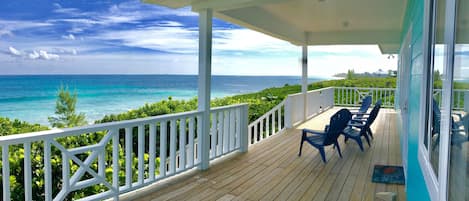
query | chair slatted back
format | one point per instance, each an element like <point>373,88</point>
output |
<point>373,114</point>
<point>337,124</point>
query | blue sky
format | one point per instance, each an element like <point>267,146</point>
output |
<point>129,37</point>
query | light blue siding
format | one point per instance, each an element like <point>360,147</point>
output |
<point>415,187</point>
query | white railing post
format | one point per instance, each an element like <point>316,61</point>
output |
<point>304,79</point>
<point>466,101</point>
<point>288,113</point>
<point>205,71</point>
<point>115,162</point>
<point>6,172</point>
<point>244,129</point>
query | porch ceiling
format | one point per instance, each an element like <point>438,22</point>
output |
<point>312,22</point>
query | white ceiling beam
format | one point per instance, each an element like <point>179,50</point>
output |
<point>260,20</point>
<point>354,37</point>
<point>220,5</point>
<point>389,48</point>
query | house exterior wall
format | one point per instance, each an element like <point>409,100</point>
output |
<point>415,187</point>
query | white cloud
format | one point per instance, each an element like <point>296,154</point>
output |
<point>169,24</point>
<point>69,37</point>
<point>169,39</point>
<point>178,39</point>
<point>8,27</point>
<point>4,32</point>
<point>13,51</point>
<point>74,51</point>
<point>48,56</point>
<point>33,55</point>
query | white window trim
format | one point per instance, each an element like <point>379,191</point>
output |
<point>431,179</point>
<point>438,187</point>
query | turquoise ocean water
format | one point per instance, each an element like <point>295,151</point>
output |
<point>32,97</point>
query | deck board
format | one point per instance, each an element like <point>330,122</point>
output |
<point>272,170</point>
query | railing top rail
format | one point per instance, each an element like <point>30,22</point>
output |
<point>366,88</point>
<point>268,113</point>
<point>311,91</point>
<point>216,109</point>
<point>55,133</point>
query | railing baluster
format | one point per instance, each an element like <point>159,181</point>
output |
<point>213,134</point>
<point>172,147</point>
<point>273,122</point>
<point>346,96</point>
<point>163,142</point>
<point>261,129</point>
<point>102,163</point>
<point>152,151</point>
<point>250,134</point>
<point>128,157</point>
<point>232,134</point>
<point>267,129</point>
<point>66,173</point>
<point>6,172</point>
<point>190,159</point>
<point>47,171</point>
<point>115,163</point>
<point>182,144</point>
<point>279,122</point>
<point>380,94</point>
<point>255,132</point>
<point>238,131</point>
<point>28,194</point>
<point>220,133</point>
<point>226,130</point>
<point>199,132</point>
<point>141,146</point>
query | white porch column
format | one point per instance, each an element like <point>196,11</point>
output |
<point>205,73</point>
<point>304,79</point>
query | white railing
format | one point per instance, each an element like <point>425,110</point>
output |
<point>317,101</point>
<point>459,95</point>
<point>226,129</point>
<point>109,164</point>
<point>269,124</point>
<point>352,96</point>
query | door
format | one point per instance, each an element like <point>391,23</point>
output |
<point>403,92</point>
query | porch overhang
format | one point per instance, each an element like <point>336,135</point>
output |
<point>312,22</point>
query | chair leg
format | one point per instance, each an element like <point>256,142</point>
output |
<point>338,148</point>
<point>367,140</point>
<point>360,144</point>
<point>301,147</point>
<point>370,133</point>
<point>323,154</point>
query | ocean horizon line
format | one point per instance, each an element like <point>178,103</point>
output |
<point>137,74</point>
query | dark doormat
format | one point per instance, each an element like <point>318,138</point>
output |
<point>388,174</point>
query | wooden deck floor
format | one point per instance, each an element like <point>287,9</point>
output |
<point>272,170</point>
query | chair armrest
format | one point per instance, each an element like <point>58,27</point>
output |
<point>305,131</point>
<point>459,116</point>
<point>363,120</point>
<point>359,113</point>
<point>356,125</point>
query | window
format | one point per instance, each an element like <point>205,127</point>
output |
<point>459,135</point>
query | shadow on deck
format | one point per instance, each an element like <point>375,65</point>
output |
<point>272,170</point>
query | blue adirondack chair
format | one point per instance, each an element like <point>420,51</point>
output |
<point>320,139</point>
<point>361,128</point>
<point>366,103</point>
<point>458,135</point>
